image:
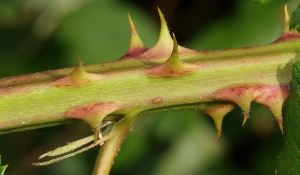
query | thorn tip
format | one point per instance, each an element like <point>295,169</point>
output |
<point>246,116</point>
<point>136,44</point>
<point>217,112</point>
<point>280,121</point>
<point>79,62</point>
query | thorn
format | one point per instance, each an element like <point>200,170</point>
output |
<point>163,47</point>
<point>78,71</point>
<point>245,106</point>
<point>93,114</point>
<point>173,66</point>
<point>287,34</point>
<point>217,113</point>
<point>246,116</point>
<point>164,44</point>
<point>136,44</point>
<point>173,61</point>
<point>273,97</point>
<point>280,121</point>
<point>136,41</point>
<point>218,123</point>
<point>78,77</point>
<point>241,95</point>
<point>165,38</point>
<point>79,62</point>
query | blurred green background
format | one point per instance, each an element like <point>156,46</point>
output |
<point>38,35</point>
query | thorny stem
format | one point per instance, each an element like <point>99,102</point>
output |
<point>30,101</point>
<point>165,77</point>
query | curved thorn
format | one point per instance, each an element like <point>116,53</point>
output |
<point>278,116</point>
<point>175,46</point>
<point>280,121</point>
<point>164,30</point>
<point>165,41</point>
<point>172,66</point>
<point>279,95</point>
<point>246,116</point>
<point>164,45</point>
<point>217,113</point>
<point>136,41</point>
<point>79,62</point>
<point>78,71</point>
<point>93,114</point>
<point>174,60</point>
<point>78,77</point>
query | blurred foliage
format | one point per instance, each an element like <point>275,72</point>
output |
<point>262,1</point>
<point>38,35</point>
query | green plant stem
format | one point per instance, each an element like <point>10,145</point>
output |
<point>111,148</point>
<point>33,101</point>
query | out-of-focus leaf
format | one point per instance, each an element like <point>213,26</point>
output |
<point>100,32</point>
<point>2,168</point>
<point>262,1</point>
<point>266,1</point>
<point>295,20</point>
<point>239,29</point>
<point>289,158</point>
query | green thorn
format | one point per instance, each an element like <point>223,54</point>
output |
<point>136,41</point>
<point>78,72</point>
<point>164,42</point>
<point>174,60</point>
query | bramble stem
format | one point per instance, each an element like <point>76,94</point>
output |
<point>32,101</point>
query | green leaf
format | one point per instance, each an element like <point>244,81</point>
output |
<point>2,168</point>
<point>295,19</point>
<point>289,158</point>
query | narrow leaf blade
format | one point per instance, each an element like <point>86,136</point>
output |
<point>2,167</point>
